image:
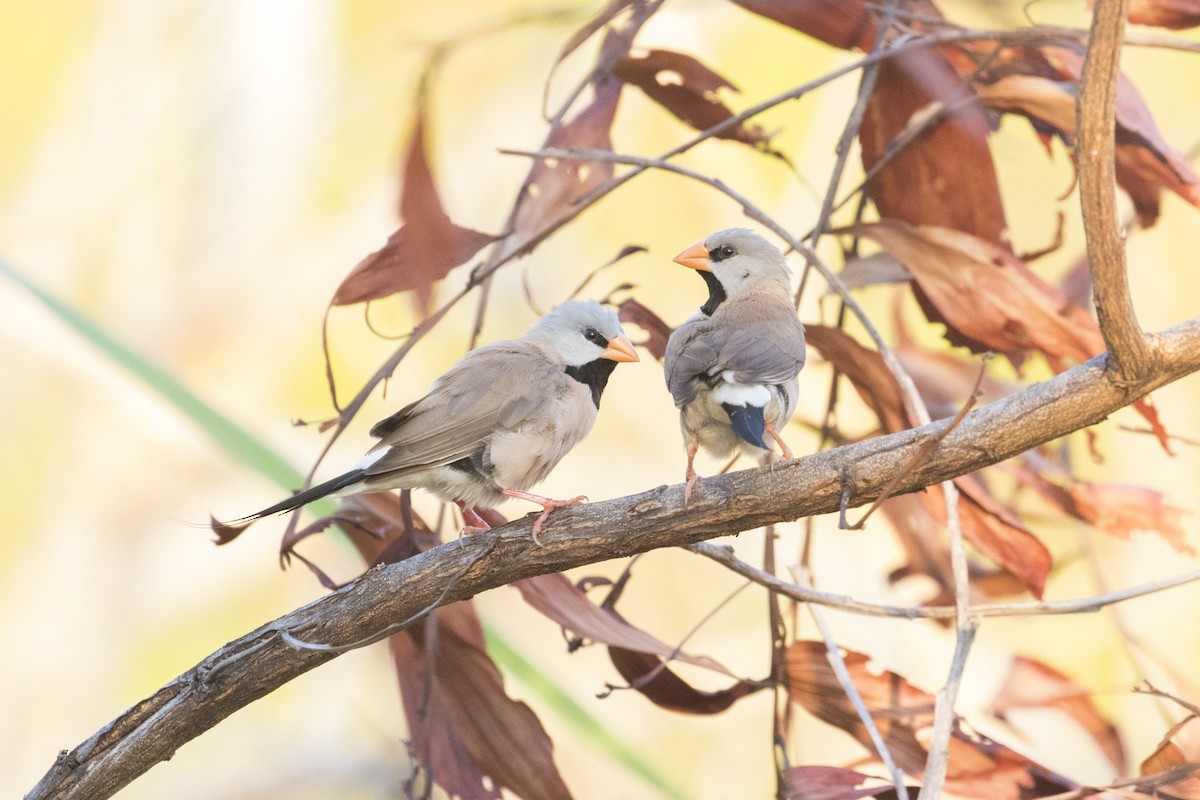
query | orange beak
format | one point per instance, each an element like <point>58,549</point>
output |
<point>695,257</point>
<point>620,349</point>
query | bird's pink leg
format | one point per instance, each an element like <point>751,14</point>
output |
<point>472,522</point>
<point>787,451</point>
<point>691,475</point>
<point>547,505</point>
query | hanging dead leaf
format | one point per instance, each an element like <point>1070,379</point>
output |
<point>652,678</point>
<point>923,183</point>
<point>1033,684</point>
<point>659,332</point>
<point>1117,510</point>
<point>688,89</point>
<point>1169,771</point>
<point>1040,83</point>
<point>866,371</point>
<point>566,604</point>
<point>991,296</point>
<point>836,783</point>
<point>465,730</point>
<point>425,248</point>
<point>553,184</point>
<point>977,767</point>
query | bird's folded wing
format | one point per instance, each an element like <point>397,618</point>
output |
<point>692,353</point>
<point>493,388</point>
<point>765,344</point>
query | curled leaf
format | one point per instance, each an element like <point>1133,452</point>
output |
<point>425,248</point>
<point>1033,684</point>
<point>631,310</point>
<point>688,89</point>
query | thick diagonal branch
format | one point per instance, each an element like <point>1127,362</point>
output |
<point>262,661</point>
<point>1095,113</point>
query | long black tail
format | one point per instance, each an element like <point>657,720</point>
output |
<point>228,531</point>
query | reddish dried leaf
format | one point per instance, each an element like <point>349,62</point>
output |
<point>464,729</point>
<point>977,767</point>
<point>660,332</point>
<point>989,294</point>
<point>834,783</point>
<point>425,248</point>
<point>462,724</point>
<point>1032,684</point>
<point>994,531</point>
<point>1042,86</point>
<point>565,603</point>
<point>924,183</point>
<point>686,88</point>
<point>845,24</point>
<point>650,676</point>
<point>1173,14</point>
<point>1169,770</point>
<point>866,371</point>
<point>553,186</point>
<point>1115,509</point>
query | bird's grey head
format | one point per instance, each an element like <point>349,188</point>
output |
<point>582,331</point>
<point>734,262</point>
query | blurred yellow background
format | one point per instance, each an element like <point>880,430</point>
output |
<point>197,177</point>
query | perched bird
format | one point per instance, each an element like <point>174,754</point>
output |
<point>732,367</point>
<point>496,423</point>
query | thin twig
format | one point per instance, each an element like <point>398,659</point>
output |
<point>838,664</point>
<point>724,555</point>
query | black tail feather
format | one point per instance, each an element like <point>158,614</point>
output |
<point>304,498</point>
<point>748,423</point>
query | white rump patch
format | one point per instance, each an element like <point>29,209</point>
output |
<point>741,394</point>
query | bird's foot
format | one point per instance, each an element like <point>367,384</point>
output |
<point>787,451</point>
<point>547,504</point>
<point>472,522</point>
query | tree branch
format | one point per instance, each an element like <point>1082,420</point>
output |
<point>261,661</point>
<point>1095,111</point>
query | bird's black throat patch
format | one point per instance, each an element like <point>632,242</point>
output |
<point>716,294</point>
<point>594,375</point>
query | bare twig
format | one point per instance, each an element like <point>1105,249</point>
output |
<point>842,674</point>
<point>1095,113</point>
<point>1084,605</point>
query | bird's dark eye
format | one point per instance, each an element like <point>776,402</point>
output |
<point>723,252</point>
<point>592,335</point>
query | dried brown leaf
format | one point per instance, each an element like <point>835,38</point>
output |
<point>465,730</point>
<point>834,783</point>
<point>994,531</point>
<point>424,249</point>
<point>842,24</point>
<point>977,767</point>
<point>566,604</point>
<point>650,676</point>
<point>659,332</point>
<point>686,88</point>
<point>923,184</point>
<point>1173,772</point>
<point>1033,684</point>
<point>1115,509</point>
<point>1041,84</point>
<point>866,371</point>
